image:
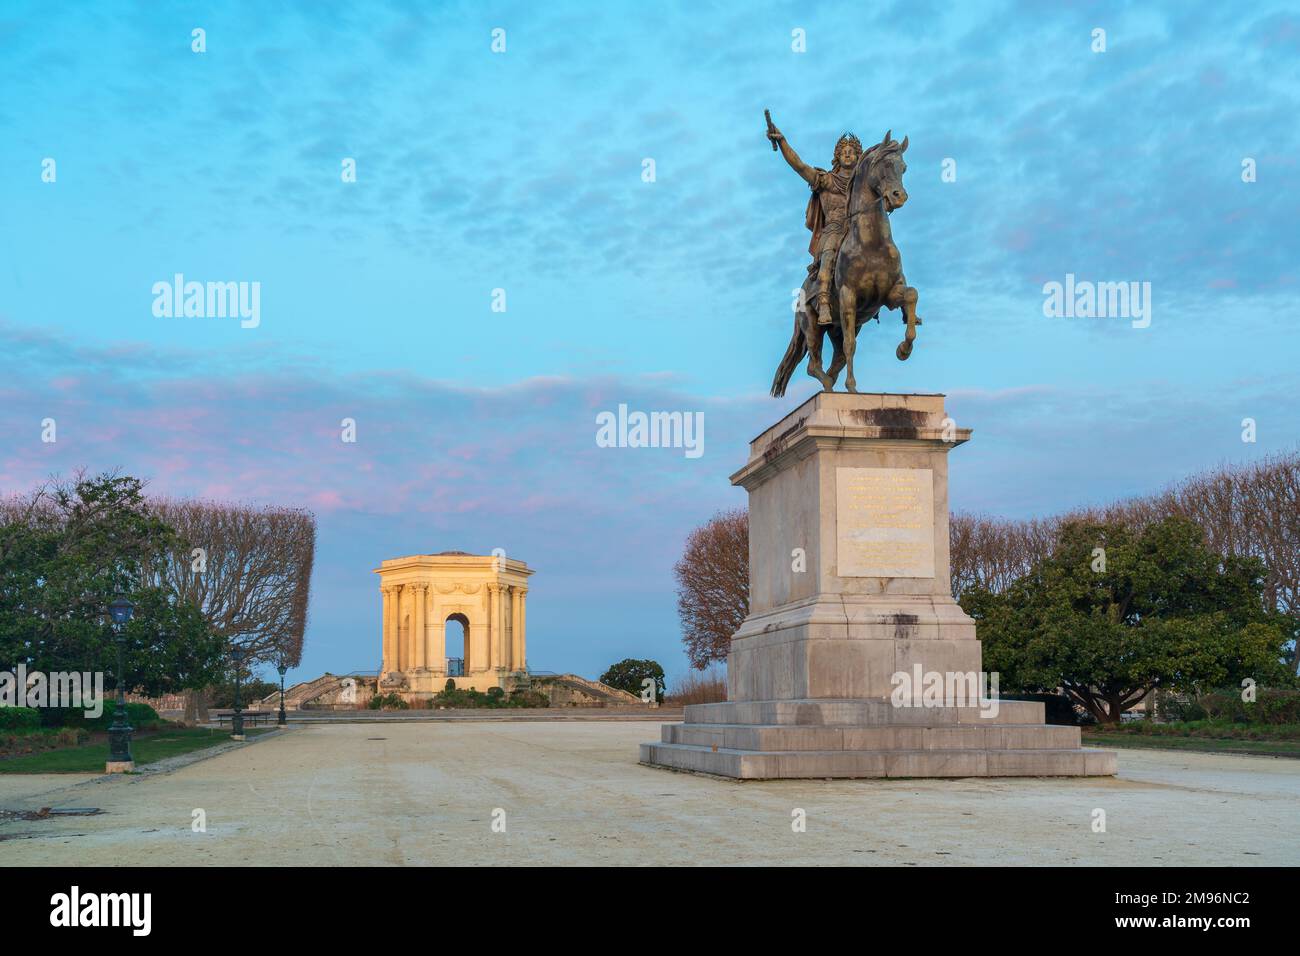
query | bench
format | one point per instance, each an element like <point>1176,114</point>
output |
<point>251,717</point>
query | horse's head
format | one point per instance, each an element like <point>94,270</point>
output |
<point>881,171</point>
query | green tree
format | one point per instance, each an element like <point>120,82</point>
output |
<point>630,675</point>
<point>1112,614</point>
<point>65,552</point>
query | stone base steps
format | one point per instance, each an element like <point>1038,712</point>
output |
<point>833,737</point>
<point>806,764</point>
<point>786,737</point>
<point>869,712</point>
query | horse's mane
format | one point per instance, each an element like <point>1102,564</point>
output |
<point>877,151</point>
<point>870,155</point>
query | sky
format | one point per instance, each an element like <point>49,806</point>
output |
<point>503,268</point>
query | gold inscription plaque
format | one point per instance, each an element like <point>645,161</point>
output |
<point>884,522</point>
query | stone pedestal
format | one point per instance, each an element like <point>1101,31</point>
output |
<point>849,589</point>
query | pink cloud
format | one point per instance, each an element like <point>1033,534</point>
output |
<point>200,430</point>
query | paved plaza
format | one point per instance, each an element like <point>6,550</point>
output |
<point>571,792</point>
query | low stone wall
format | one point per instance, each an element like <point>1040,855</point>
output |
<point>168,702</point>
<point>570,690</point>
<point>331,693</point>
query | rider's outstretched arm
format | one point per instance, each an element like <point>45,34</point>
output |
<point>791,157</point>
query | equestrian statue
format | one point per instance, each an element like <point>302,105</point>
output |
<point>856,269</point>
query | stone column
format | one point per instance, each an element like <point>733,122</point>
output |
<point>386,629</point>
<point>517,638</point>
<point>402,656</point>
<point>494,626</point>
<point>419,639</point>
<point>512,614</point>
<point>395,628</point>
<point>503,638</point>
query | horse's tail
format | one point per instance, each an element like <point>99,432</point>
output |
<point>794,352</point>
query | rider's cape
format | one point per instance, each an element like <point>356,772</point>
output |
<point>814,218</point>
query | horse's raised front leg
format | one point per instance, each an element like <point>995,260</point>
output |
<point>904,296</point>
<point>849,327</point>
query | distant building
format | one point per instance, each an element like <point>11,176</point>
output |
<point>423,592</point>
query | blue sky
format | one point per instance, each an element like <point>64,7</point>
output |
<point>522,171</point>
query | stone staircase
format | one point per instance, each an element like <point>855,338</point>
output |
<point>602,694</point>
<point>871,738</point>
<point>302,693</point>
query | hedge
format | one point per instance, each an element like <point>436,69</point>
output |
<point>19,718</point>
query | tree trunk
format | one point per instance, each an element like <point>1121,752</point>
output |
<point>1116,710</point>
<point>1091,702</point>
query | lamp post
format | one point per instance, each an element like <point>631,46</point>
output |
<point>282,668</point>
<point>237,722</point>
<point>119,733</point>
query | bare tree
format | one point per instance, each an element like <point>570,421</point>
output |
<point>990,553</point>
<point>713,586</point>
<point>248,570</point>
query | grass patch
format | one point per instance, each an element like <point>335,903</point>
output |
<point>1193,744</point>
<point>145,748</point>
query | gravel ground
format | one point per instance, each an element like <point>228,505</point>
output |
<point>572,792</point>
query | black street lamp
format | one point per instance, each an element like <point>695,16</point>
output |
<point>282,669</point>
<point>119,732</point>
<point>237,722</point>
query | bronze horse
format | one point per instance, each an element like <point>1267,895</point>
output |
<point>868,275</point>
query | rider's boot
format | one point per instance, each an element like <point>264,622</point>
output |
<point>825,272</point>
<point>824,309</point>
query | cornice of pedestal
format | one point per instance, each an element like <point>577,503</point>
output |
<point>841,421</point>
<point>756,471</point>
